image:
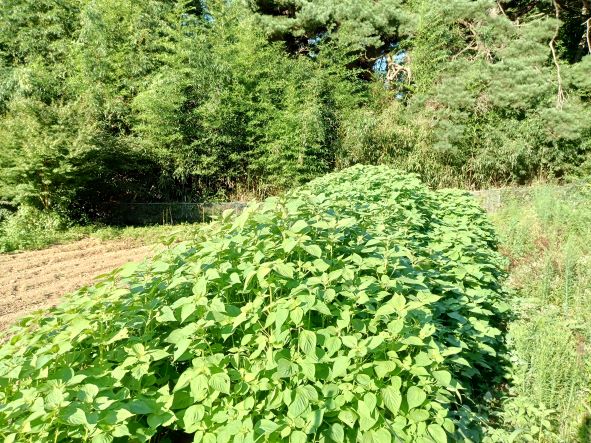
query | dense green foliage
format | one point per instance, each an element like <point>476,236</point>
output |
<point>113,101</point>
<point>157,100</point>
<point>31,228</point>
<point>362,307</point>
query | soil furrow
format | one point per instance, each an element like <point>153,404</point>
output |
<point>37,279</point>
<point>31,262</point>
<point>67,268</point>
<point>48,252</point>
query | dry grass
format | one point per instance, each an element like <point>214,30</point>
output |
<point>547,240</point>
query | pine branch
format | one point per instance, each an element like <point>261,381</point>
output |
<point>476,44</point>
<point>471,47</point>
<point>587,13</point>
<point>516,14</point>
<point>560,96</point>
<point>397,71</point>
<point>501,8</point>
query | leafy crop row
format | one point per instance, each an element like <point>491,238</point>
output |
<point>361,307</point>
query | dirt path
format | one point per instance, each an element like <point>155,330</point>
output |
<point>36,279</point>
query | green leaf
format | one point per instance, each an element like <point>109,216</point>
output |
<point>370,400</point>
<point>77,417</point>
<point>298,226</point>
<point>418,415</point>
<point>383,368</point>
<point>348,417</point>
<point>374,342</point>
<point>159,354</point>
<point>413,341</point>
<point>332,344</point>
<point>54,399</point>
<point>296,316</point>
<point>313,250</point>
<point>462,361</point>
<point>220,382</point>
<point>366,409</point>
<point>192,417</point>
<point>336,433</point>
<point>340,366</point>
<point>392,399</point>
<point>186,311</point>
<point>88,393</point>
<point>320,265</point>
<point>184,379</point>
<point>442,377</point>
<point>115,416</point>
<point>181,346</point>
<point>437,432</point>
<point>160,266</point>
<point>268,426</point>
<point>42,360</point>
<point>140,406</point>
<point>398,302</point>
<point>101,438</point>
<point>308,370</point>
<point>120,431</point>
<point>281,316</point>
<point>166,315</point>
<point>298,437</point>
<point>128,269</point>
<point>349,341</point>
<point>157,420</point>
<point>284,269</point>
<point>415,397</point>
<point>198,386</point>
<point>307,342</point>
<point>289,244</point>
<point>285,368</point>
<point>382,436</point>
<point>298,406</point>
<point>366,421</point>
<point>313,421</point>
<point>395,326</point>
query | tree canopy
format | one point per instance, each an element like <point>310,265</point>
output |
<point>106,101</point>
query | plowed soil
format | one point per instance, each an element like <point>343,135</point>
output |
<point>36,279</point>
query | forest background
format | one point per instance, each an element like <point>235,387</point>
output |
<point>105,101</point>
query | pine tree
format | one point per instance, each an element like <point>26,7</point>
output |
<point>483,100</point>
<point>365,28</point>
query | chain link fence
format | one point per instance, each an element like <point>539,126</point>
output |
<point>142,214</point>
<point>494,199</point>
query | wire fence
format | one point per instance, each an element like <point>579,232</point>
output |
<point>138,214</point>
<point>494,199</point>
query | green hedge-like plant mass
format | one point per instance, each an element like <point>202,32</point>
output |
<point>361,307</point>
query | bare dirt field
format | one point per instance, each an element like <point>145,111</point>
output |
<point>36,279</point>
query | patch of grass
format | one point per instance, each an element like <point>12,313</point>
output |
<point>30,229</point>
<point>547,239</point>
<point>147,234</point>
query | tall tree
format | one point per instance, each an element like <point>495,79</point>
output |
<point>229,111</point>
<point>486,98</point>
<point>364,28</point>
